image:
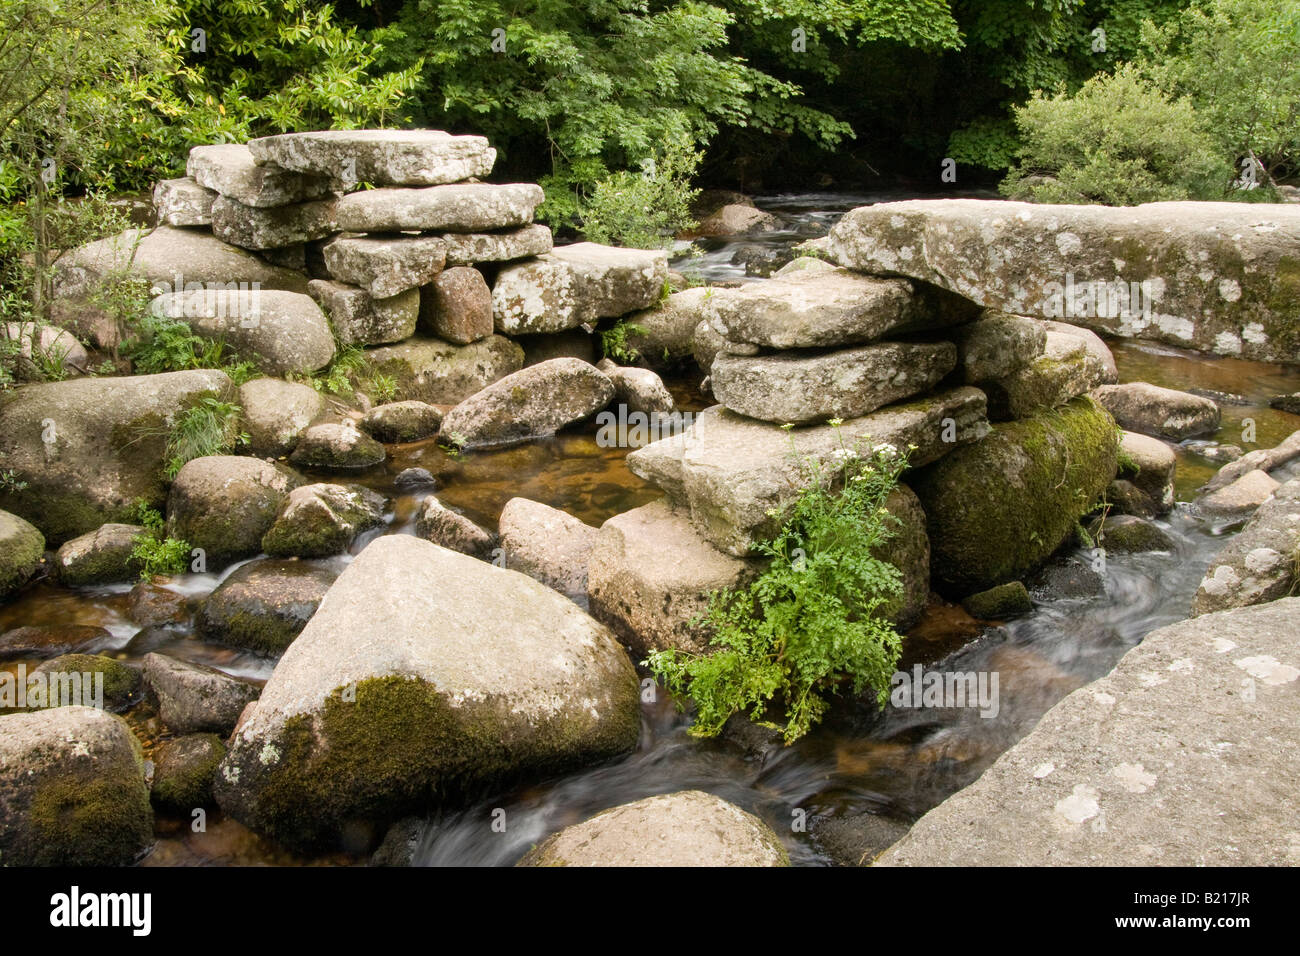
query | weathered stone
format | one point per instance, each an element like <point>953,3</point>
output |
<point>402,422</point>
<point>803,263</point>
<point>385,265</point>
<point>72,790</point>
<point>731,471</point>
<point>56,351</point>
<point>1163,412</point>
<point>1220,276</point>
<point>466,672</point>
<point>320,520</point>
<point>183,202</point>
<point>666,331</point>
<point>151,605</point>
<point>1143,749</point>
<point>999,603</point>
<point>1130,534</point>
<point>997,346</point>
<point>385,157</point>
<point>822,310</point>
<point>1155,463</point>
<point>337,446</point>
<point>1286,403</point>
<point>638,389</point>
<point>22,549</point>
<point>1262,459</point>
<point>794,387</point>
<point>1099,353</point>
<point>687,828</point>
<point>194,698</point>
<point>51,640</point>
<point>102,556</point>
<point>90,679</point>
<point>263,605</point>
<point>276,413</point>
<point>250,227</point>
<point>546,544</point>
<point>89,448</point>
<point>359,318</point>
<point>856,839</point>
<point>437,372</point>
<point>649,575</point>
<point>437,523</point>
<point>457,306</point>
<point>184,769</point>
<point>1064,371</point>
<point>223,504</point>
<point>708,343</point>
<point>532,403</point>
<point>230,170</point>
<point>284,331</point>
<point>735,220</point>
<point>467,248</point>
<point>1241,497</point>
<point>465,207</point>
<point>1259,564</point>
<point>998,508</point>
<point>288,257</point>
<point>1126,498</point>
<point>574,284</point>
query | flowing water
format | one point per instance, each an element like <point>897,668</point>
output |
<point>897,763</point>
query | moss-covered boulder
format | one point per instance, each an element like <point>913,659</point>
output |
<point>224,504</point>
<point>689,828</point>
<point>88,448</point>
<point>264,605</point>
<point>402,421</point>
<point>431,370</point>
<point>998,508</point>
<point>102,556</point>
<point>323,519</point>
<point>424,675</point>
<point>184,769</point>
<point>22,548</point>
<point>1001,602</point>
<point>72,790</point>
<point>337,446</point>
<point>81,676</point>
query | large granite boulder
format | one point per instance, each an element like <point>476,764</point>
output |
<point>999,507</point>
<point>89,448</point>
<point>102,556</point>
<point>534,402</point>
<point>1217,276</point>
<point>1162,412</point>
<point>547,544</point>
<point>467,673</point>
<point>72,790</point>
<point>195,698</point>
<point>223,504</point>
<point>22,549</point>
<point>384,157</point>
<point>576,284</point>
<point>276,413</point>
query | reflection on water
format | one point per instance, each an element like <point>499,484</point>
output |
<point>899,762</point>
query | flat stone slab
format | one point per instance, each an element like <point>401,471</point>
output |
<point>467,248</point>
<point>229,169</point>
<point>183,202</point>
<point>1258,564</point>
<point>574,284</point>
<point>823,309</point>
<point>737,475</point>
<point>795,387</point>
<point>465,207</point>
<point>251,227</point>
<point>384,157</point>
<point>1216,276</point>
<point>1184,755</point>
<point>385,265</point>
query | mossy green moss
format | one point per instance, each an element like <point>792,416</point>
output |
<point>184,769</point>
<point>998,508</point>
<point>122,682</point>
<point>93,815</point>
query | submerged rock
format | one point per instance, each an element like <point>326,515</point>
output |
<point>688,828</point>
<point>466,672</point>
<point>999,603</point>
<point>264,605</point>
<point>1128,534</point>
<point>535,402</point>
<point>998,508</point>
<point>223,504</point>
<point>89,449</point>
<point>74,791</point>
<point>1162,412</point>
<point>51,640</point>
<point>79,677</point>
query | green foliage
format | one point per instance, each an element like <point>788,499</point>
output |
<point>157,343</point>
<point>1238,62</point>
<point>1119,141</point>
<point>337,378</point>
<point>643,210</point>
<point>10,483</point>
<point>209,427</point>
<point>383,388</point>
<point>613,342</point>
<point>811,621</point>
<point>154,552</point>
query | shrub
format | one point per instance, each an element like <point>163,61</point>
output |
<point>643,210</point>
<point>811,621</point>
<point>1119,141</point>
<point>154,552</point>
